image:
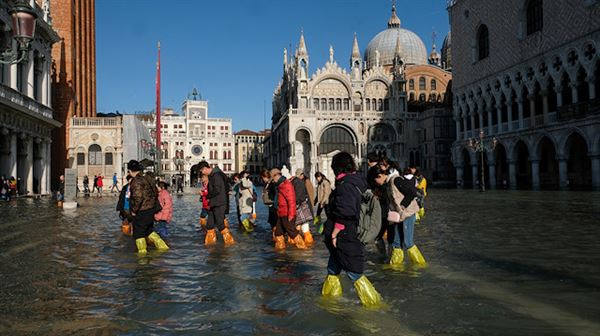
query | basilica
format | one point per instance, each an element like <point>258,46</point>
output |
<point>394,100</point>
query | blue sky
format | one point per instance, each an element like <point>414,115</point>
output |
<point>232,51</point>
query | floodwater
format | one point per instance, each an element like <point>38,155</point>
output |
<point>500,263</point>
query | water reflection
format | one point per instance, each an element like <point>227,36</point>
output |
<point>501,263</point>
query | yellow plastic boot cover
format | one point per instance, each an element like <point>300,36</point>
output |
<point>415,256</point>
<point>367,294</point>
<point>397,257</point>
<point>158,242</point>
<point>247,225</point>
<point>211,237</point>
<point>299,242</point>
<point>141,245</point>
<point>227,237</point>
<point>279,242</point>
<point>332,286</point>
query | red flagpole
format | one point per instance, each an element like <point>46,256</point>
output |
<point>158,130</point>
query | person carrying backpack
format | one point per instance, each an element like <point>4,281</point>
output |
<point>403,207</point>
<point>346,251</point>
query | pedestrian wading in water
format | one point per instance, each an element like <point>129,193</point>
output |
<point>143,203</point>
<point>401,196</point>
<point>164,216</point>
<point>346,251</point>
<point>285,205</point>
<point>268,196</point>
<point>218,199</point>
<point>322,198</point>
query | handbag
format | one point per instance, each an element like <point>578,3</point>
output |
<point>303,213</point>
<point>393,217</point>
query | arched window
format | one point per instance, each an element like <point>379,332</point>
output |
<point>94,155</point>
<point>386,104</point>
<point>316,104</point>
<point>422,85</point>
<point>433,84</point>
<point>324,104</point>
<point>346,104</point>
<point>422,97</point>
<point>337,138</point>
<point>433,97</point>
<point>411,84</point>
<point>80,159</point>
<point>535,16</point>
<point>411,96</point>
<point>224,155</point>
<point>483,42</point>
<point>338,104</point>
<point>380,105</point>
<point>108,159</point>
<point>368,104</point>
<point>331,105</point>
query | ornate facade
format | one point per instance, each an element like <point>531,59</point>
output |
<point>26,114</point>
<point>249,152</point>
<point>531,79</point>
<point>373,106</point>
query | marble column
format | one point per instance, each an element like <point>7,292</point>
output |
<point>559,96</point>
<point>4,151</point>
<point>595,171</point>
<point>499,117</point>
<point>480,113</point>
<point>531,99</point>
<point>545,105</point>
<point>14,73</point>
<point>464,120</point>
<point>492,174</point>
<point>489,115</point>
<point>44,85</point>
<point>475,174</point>
<point>28,178</point>
<point>459,177</point>
<point>574,93</point>
<point>520,102</point>
<point>535,174</point>
<point>592,86</point>
<point>48,170</point>
<point>562,173</point>
<point>457,122</point>
<point>472,123</point>
<point>43,168</point>
<point>510,119</point>
<point>512,175</point>
<point>12,159</point>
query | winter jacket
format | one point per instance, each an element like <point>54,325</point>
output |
<point>123,206</point>
<point>401,196</point>
<point>204,198</point>
<point>323,192</point>
<point>344,208</point>
<point>165,200</point>
<point>286,199</point>
<point>311,191</point>
<point>245,200</point>
<point>217,189</point>
<point>299,190</point>
<point>100,181</point>
<point>143,193</point>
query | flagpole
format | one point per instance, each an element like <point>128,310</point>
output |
<point>158,125</point>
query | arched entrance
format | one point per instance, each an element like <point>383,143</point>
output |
<point>337,138</point>
<point>521,155</point>
<point>501,159</point>
<point>303,151</point>
<point>579,166</point>
<point>548,164</point>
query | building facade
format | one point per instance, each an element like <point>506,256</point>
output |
<point>530,78</point>
<point>191,137</point>
<point>376,105</point>
<point>249,152</point>
<point>73,71</point>
<point>26,114</point>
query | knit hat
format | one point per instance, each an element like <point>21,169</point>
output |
<point>134,165</point>
<point>299,172</point>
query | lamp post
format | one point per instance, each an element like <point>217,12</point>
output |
<point>481,146</point>
<point>23,27</point>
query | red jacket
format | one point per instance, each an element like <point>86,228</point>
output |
<point>204,197</point>
<point>286,199</point>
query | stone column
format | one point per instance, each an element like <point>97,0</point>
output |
<point>48,166</point>
<point>480,119</point>
<point>43,168</point>
<point>574,93</point>
<point>474,173</point>
<point>13,75</point>
<point>591,80</point>
<point>4,152</point>
<point>29,77</point>
<point>512,174</point>
<point>520,104</point>
<point>489,114</point>
<point>535,174</point>
<point>545,105</point>
<point>464,120</point>
<point>12,159</point>
<point>492,172</point>
<point>28,178</point>
<point>472,123</point>
<point>559,97</point>
<point>499,117</point>
<point>562,173</point>
<point>457,122</point>
<point>595,171</point>
<point>509,113</point>
<point>531,110</point>
<point>459,177</point>
<point>44,86</point>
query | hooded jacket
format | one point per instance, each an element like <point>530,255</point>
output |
<point>165,200</point>
<point>286,198</point>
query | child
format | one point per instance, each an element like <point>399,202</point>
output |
<point>204,201</point>
<point>164,216</point>
<point>123,207</point>
<point>246,201</point>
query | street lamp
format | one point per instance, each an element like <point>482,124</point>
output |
<point>23,26</point>
<point>480,145</point>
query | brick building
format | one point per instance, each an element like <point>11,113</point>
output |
<point>530,78</point>
<point>73,71</point>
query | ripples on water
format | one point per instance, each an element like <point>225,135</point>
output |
<point>501,263</point>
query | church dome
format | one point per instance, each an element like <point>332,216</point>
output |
<point>446,52</point>
<point>412,48</point>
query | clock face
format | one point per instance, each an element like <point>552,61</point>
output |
<point>197,150</point>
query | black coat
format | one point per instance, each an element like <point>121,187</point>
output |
<point>218,189</point>
<point>300,190</point>
<point>344,208</point>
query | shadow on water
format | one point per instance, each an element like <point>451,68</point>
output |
<point>500,263</point>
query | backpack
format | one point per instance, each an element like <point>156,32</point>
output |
<point>369,224</point>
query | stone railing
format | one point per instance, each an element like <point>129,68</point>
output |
<point>14,97</point>
<point>579,110</point>
<point>98,122</point>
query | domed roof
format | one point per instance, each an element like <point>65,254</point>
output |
<point>446,52</point>
<point>412,48</point>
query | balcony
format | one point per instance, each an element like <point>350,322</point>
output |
<point>19,101</point>
<point>579,110</point>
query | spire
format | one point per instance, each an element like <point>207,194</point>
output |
<point>394,21</point>
<point>355,49</point>
<point>302,45</point>
<point>285,56</point>
<point>398,51</point>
